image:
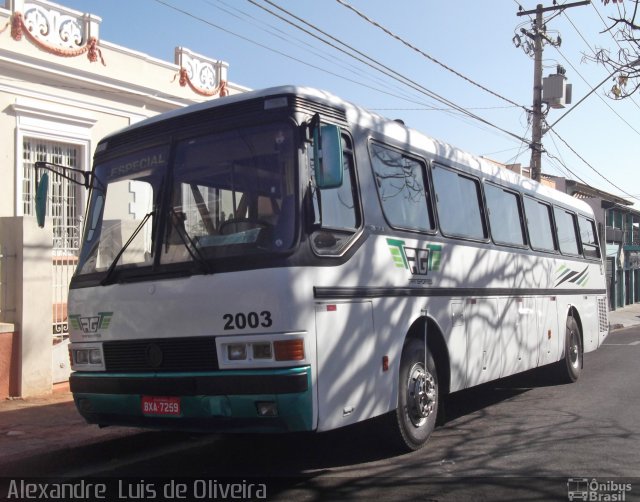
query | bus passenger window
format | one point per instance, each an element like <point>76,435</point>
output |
<point>458,203</point>
<point>589,238</point>
<point>567,237</point>
<point>401,188</point>
<point>505,217</point>
<point>539,225</point>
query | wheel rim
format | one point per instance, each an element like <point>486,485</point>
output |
<point>574,349</point>
<point>421,395</point>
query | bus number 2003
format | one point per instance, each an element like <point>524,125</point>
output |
<point>252,320</point>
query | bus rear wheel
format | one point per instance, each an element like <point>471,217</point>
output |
<point>570,367</point>
<point>418,394</point>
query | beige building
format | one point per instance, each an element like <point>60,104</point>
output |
<point>62,88</point>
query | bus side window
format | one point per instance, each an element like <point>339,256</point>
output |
<point>539,225</point>
<point>505,216</point>
<point>401,186</point>
<point>459,204</point>
<point>589,238</point>
<point>567,235</point>
<point>339,209</point>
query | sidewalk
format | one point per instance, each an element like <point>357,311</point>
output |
<point>46,426</point>
<point>37,431</point>
<point>625,317</point>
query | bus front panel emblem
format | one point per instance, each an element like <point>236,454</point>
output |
<point>154,355</point>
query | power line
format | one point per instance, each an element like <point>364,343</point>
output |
<point>430,58</point>
<point>287,37</point>
<point>562,162</point>
<point>604,23</point>
<point>591,91</point>
<point>383,69</point>
<point>604,101</point>
<point>593,168</point>
<point>280,53</point>
<point>358,82</point>
<point>447,109</point>
<point>376,65</point>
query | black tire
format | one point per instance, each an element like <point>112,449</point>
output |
<point>418,394</point>
<point>570,367</point>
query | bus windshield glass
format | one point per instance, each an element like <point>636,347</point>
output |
<point>224,194</point>
<point>123,215</point>
<point>233,194</point>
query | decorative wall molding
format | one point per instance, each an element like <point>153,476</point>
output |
<point>204,76</point>
<point>57,30</point>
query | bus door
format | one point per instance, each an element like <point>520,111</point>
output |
<point>484,350</point>
<point>518,334</point>
<point>549,332</point>
<point>348,368</point>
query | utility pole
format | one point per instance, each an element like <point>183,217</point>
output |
<point>538,36</point>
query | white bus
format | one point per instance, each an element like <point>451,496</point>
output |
<point>282,260</point>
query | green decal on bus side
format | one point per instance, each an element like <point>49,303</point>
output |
<point>419,261</point>
<point>565,274</point>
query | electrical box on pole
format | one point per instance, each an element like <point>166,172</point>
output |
<point>556,92</point>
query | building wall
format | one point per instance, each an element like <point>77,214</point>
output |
<point>76,100</point>
<point>57,104</point>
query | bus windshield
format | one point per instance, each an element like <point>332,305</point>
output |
<point>230,194</point>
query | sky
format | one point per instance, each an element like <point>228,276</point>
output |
<point>477,68</point>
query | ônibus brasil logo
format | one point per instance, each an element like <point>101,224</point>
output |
<point>419,261</point>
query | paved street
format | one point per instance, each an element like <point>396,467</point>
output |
<point>516,437</point>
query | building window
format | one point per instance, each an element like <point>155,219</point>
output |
<point>64,204</point>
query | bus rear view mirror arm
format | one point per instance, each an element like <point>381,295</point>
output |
<point>42,184</point>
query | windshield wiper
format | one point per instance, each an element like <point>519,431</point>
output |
<point>186,239</point>
<point>109,273</point>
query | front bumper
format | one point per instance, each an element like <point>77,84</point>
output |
<point>220,401</point>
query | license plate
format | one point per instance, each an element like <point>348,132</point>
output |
<point>160,406</point>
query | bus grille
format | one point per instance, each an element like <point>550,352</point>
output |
<point>602,314</point>
<point>161,355</point>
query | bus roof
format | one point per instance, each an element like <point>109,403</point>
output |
<point>394,130</point>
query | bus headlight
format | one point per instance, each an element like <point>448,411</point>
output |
<point>237,351</point>
<point>87,358</point>
<point>262,350</point>
<point>274,350</point>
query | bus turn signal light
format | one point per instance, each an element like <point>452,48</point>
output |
<point>289,350</point>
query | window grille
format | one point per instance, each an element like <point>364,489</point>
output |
<point>64,206</point>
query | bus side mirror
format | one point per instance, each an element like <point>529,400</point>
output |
<point>41,199</point>
<point>327,155</point>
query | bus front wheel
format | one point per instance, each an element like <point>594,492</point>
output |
<point>418,393</point>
